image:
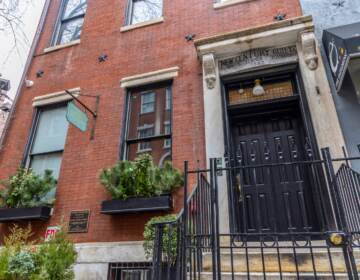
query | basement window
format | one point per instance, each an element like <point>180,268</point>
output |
<point>70,22</point>
<point>47,141</point>
<point>130,271</point>
<point>144,10</point>
<point>148,122</point>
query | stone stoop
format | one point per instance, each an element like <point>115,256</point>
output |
<point>237,264</point>
<point>273,276</point>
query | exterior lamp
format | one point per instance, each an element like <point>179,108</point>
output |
<point>337,238</point>
<point>258,89</point>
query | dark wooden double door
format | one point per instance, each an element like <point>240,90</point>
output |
<point>274,192</point>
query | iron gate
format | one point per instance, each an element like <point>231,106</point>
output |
<point>204,251</point>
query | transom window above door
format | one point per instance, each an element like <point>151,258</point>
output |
<point>245,92</point>
<point>149,123</point>
<point>144,10</point>
<point>70,21</point>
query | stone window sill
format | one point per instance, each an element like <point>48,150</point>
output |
<point>141,24</point>
<point>227,3</point>
<point>59,47</point>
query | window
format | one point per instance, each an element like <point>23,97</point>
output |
<point>129,271</point>
<point>48,141</point>
<point>147,102</point>
<point>144,132</point>
<point>148,127</point>
<point>144,10</point>
<point>168,100</point>
<point>167,131</point>
<point>70,22</point>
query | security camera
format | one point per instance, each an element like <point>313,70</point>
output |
<point>29,83</point>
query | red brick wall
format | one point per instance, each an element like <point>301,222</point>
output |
<point>137,51</point>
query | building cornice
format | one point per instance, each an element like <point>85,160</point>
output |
<point>254,30</point>
<point>278,33</point>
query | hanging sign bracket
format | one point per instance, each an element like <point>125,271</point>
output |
<point>92,112</point>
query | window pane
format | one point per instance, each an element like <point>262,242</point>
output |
<point>51,131</point>
<point>74,8</point>
<point>40,163</point>
<point>147,102</point>
<point>52,162</point>
<point>168,99</point>
<point>70,31</point>
<point>155,147</point>
<point>144,10</point>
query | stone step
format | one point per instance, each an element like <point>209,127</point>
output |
<point>237,262</point>
<point>273,276</point>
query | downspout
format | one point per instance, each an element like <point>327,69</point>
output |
<point>26,69</point>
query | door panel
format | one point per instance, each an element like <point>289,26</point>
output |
<point>274,196</point>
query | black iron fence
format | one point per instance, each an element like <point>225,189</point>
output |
<point>292,219</point>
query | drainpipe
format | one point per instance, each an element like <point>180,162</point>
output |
<point>26,69</point>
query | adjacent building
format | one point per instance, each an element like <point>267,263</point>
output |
<point>185,82</point>
<point>337,28</point>
<point>5,103</point>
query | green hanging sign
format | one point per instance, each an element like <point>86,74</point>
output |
<point>76,117</point>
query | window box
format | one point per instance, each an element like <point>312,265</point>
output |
<point>137,204</point>
<point>17,214</point>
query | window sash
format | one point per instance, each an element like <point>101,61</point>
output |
<point>50,131</point>
<point>154,136</point>
<point>63,21</point>
<point>130,12</point>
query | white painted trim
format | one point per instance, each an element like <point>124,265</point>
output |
<point>63,46</point>
<point>141,24</point>
<point>54,97</point>
<point>227,3</point>
<point>150,77</point>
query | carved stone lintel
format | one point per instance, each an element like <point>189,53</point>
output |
<point>209,68</point>
<point>308,43</point>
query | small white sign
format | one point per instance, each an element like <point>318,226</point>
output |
<point>51,232</point>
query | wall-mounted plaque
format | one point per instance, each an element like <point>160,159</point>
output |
<point>79,221</point>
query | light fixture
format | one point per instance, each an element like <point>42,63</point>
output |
<point>258,89</point>
<point>337,238</point>
<point>241,89</point>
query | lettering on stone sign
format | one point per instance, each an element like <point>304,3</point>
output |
<point>258,57</point>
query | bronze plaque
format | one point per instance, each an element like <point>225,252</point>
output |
<point>79,221</point>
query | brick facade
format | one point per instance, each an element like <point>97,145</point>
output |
<point>136,51</point>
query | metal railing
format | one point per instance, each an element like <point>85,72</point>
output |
<point>316,234</point>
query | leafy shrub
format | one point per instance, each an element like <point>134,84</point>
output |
<point>140,178</point>
<point>56,258</point>
<point>20,259</point>
<point>169,240</point>
<point>21,265</point>
<point>26,189</point>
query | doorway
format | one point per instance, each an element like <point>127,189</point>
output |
<point>267,137</point>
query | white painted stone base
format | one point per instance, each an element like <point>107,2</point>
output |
<point>94,258</point>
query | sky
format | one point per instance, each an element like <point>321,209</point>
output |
<point>12,62</point>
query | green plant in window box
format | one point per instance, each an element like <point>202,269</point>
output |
<point>26,189</point>
<point>169,239</point>
<point>140,178</point>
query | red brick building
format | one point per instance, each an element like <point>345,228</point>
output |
<point>158,68</point>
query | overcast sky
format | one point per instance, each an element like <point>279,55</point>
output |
<point>12,62</point>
